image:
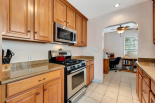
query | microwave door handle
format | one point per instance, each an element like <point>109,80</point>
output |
<point>73,36</point>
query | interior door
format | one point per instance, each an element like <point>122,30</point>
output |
<point>52,92</point>
<point>70,18</point>
<point>43,20</point>
<point>17,18</point>
<point>59,12</point>
<point>84,34</point>
<point>78,29</point>
<point>87,75</point>
<point>33,96</point>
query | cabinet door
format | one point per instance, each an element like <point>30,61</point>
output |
<point>91,72</point>
<point>146,92</point>
<point>87,75</point>
<point>152,98</point>
<point>16,20</point>
<point>70,18</point>
<point>43,20</point>
<point>137,82</point>
<point>78,29</point>
<point>140,88</point>
<point>52,92</point>
<point>33,96</point>
<point>84,34</point>
<point>59,12</point>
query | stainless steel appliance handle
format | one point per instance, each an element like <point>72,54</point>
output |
<point>77,70</point>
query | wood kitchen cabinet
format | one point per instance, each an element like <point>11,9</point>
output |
<point>140,88</point>
<point>152,98</point>
<point>89,71</point>
<point>33,96</point>
<point>70,18</point>
<point>17,20</point>
<point>106,66</point>
<point>137,83</point>
<point>79,31</point>
<point>52,92</point>
<point>60,12</point>
<point>43,20</point>
<point>84,34</point>
<point>146,92</point>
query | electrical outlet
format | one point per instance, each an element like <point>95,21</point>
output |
<point>95,49</point>
<point>30,58</point>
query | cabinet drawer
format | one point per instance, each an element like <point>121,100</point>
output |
<point>19,86</point>
<point>145,92</point>
<point>153,87</point>
<point>139,69</point>
<point>146,79</point>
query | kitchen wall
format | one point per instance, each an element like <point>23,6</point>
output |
<point>115,44</point>
<point>39,51</point>
<point>141,13</point>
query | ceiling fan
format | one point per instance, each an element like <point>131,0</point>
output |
<point>121,29</point>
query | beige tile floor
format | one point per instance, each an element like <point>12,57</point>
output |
<point>118,87</point>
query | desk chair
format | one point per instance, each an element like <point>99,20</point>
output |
<point>115,62</point>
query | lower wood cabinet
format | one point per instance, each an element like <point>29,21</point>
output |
<point>89,72</point>
<point>146,92</point>
<point>52,92</point>
<point>106,66</point>
<point>137,83</point>
<point>140,88</point>
<point>152,98</point>
<point>33,96</point>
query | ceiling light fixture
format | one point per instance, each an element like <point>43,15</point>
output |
<point>117,5</point>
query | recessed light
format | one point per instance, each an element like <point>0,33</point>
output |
<point>117,5</point>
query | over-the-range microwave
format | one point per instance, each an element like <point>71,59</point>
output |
<point>63,34</point>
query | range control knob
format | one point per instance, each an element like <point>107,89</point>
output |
<point>73,67</point>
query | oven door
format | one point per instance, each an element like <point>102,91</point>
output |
<point>76,81</point>
<point>64,34</point>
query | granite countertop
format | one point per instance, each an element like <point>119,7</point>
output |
<point>148,67</point>
<point>86,58</point>
<point>23,70</point>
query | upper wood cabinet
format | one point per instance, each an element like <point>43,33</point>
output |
<point>16,20</point>
<point>84,34</point>
<point>33,96</point>
<point>43,20</point>
<point>52,92</point>
<point>59,12</point>
<point>78,29</point>
<point>70,18</point>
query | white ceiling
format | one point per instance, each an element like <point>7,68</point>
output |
<point>110,28</point>
<point>94,8</point>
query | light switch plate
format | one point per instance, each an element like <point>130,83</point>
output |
<point>95,49</point>
<point>30,58</point>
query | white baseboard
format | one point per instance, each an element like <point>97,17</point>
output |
<point>98,81</point>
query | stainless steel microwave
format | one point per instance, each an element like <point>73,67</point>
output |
<point>63,34</point>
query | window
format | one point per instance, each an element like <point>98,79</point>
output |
<point>130,46</point>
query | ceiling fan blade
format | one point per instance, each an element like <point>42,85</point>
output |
<point>127,26</point>
<point>113,29</point>
<point>132,29</point>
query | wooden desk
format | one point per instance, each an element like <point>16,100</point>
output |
<point>130,62</point>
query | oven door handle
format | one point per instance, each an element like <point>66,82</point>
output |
<point>77,70</point>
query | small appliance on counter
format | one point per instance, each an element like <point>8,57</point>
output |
<point>74,77</point>
<point>63,34</point>
<point>6,63</point>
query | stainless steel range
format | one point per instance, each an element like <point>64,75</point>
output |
<point>75,75</point>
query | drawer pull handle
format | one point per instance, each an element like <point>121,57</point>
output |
<point>38,93</point>
<point>41,80</point>
<point>28,31</point>
<point>45,89</point>
<point>144,91</point>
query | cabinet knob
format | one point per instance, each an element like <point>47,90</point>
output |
<point>45,89</point>
<point>35,32</point>
<point>68,22</point>
<point>28,31</point>
<point>38,93</point>
<point>64,21</point>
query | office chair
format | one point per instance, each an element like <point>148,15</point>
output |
<point>115,62</point>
